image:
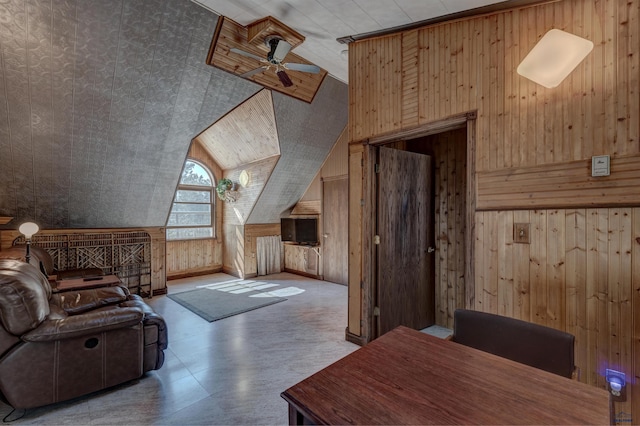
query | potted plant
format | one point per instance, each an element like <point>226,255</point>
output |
<point>224,188</point>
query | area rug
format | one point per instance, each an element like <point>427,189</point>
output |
<point>214,305</point>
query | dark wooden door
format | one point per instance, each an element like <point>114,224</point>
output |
<point>335,213</point>
<point>405,279</point>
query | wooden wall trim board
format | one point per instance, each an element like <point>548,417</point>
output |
<point>530,164</point>
<point>562,185</point>
<point>356,308</point>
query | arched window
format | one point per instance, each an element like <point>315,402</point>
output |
<point>192,212</point>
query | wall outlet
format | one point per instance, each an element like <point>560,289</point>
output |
<point>521,233</point>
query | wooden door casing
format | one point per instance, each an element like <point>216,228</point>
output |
<point>335,214</point>
<point>405,288</point>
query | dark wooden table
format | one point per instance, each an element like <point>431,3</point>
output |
<point>408,377</point>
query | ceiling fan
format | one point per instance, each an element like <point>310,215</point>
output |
<point>278,50</point>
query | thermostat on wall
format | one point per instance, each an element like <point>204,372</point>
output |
<point>600,165</point>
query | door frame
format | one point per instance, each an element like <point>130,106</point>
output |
<point>369,214</point>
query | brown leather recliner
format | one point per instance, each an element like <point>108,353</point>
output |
<point>55,347</point>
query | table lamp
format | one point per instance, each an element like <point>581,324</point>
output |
<point>28,229</point>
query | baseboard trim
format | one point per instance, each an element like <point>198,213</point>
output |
<point>304,274</point>
<point>159,291</point>
<point>350,337</point>
<point>193,274</point>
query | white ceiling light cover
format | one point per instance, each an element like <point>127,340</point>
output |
<point>554,57</point>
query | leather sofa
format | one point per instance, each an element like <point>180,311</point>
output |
<point>58,346</point>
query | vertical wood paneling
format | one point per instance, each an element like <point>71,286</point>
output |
<point>521,282</point>
<point>410,52</point>
<point>251,232</point>
<point>582,266</point>
<point>634,385</point>
<point>551,124</point>
<point>337,162</point>
<point>448,152</point>
<point>580,272</point>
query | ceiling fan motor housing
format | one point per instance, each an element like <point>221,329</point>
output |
<point>276,55</point>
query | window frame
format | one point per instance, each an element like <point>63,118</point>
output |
<point>200,188</point>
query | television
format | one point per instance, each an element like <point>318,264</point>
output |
<point>302,231</point>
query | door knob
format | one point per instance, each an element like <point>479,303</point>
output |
<point>430,250</point>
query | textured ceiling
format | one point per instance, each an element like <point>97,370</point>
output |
<point>323,21</point>
<point>100,101</point>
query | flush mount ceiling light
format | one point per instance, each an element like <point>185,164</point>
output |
<point>554,57</point>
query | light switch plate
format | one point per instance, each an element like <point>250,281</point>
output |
<point>522,233</point>
<point>600,165</point>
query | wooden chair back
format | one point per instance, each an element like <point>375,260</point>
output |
<point>538,346</point>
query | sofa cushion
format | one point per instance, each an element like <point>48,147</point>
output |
<point>75,302</point>
<point>24,302</point>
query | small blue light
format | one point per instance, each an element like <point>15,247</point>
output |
<point>616,380</point>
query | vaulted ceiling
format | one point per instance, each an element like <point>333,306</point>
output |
<point>100,99</point>
<point>100,102</point>
<point>322,22</point>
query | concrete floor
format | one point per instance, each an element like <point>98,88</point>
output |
<point>230,371</point>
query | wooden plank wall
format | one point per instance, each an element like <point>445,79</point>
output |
<point>334,166</point>
<point>580,271</point>
<point>251,232</point>
<point>197,256</point>
<point>303,260</point>
<point>471,65</point>
<point>259,172</point>
<point>236,214</point>
<point>448,152</point>
<point>554,185</point>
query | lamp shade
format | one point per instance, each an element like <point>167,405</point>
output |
<point>554,57</point>
<point>28,229</point>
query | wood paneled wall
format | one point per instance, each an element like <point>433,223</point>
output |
<point>448,152</point>
<point>259,172</point>
<point>413,78</point>
<point>197,256</point>
<point>238,259</point>
<point>251,233</point>
<point>567,184</point>
<point>335,165</point>
<point>303,260</point>
<point>580,273</point>
<point>193,257</point>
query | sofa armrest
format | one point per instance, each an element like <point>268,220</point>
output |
<point>79,301</point>
<point>84,325</point>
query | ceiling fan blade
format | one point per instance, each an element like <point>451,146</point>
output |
<point>243,53</point>
<point>281,50</point>
<point>314,69</point>
<point>284,79</point>
<point>253,72</point>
